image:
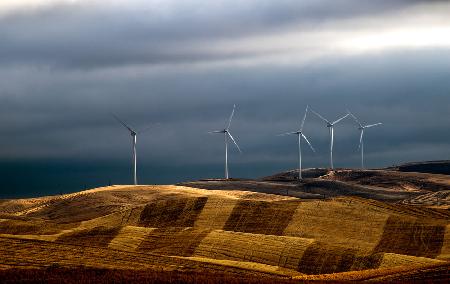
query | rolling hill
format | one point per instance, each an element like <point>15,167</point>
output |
<point>334,225</point>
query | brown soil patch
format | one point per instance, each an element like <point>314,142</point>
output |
<point>320,258</point>
<point>411,237</point>
<point>173,212</point>
<point>261,217</point>
<point>98,236</point>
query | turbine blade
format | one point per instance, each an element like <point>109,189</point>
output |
<point>341,118</point>
<point>288,133</point>
<point>354,117</point>
<point>307,141</point>
<point>304,118</point>
<point>231,117</point>
<point>123,123</point>
<point>318,115</point>
<point>360,139</point>
<point>338,120</point>
<point>216,131</point>
<point>372,125</point>
<point>232,139</point>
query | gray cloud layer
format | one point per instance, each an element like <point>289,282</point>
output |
<point>94,35</point>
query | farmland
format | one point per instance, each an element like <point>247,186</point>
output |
<point>349,225</point>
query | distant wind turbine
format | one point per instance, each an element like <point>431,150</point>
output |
<point>330,126</point>
<point>300,135</point>
<point>133,135</point>
<point>361,128</point>
<point>227,134</point>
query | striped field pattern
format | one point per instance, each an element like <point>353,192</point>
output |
<point>217,227</point>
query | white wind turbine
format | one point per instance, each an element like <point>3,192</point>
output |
<point>300,135</point>
<point>133,135</point>
<point>226,134</point>
<point>330,126</point>
<point>361,128</point>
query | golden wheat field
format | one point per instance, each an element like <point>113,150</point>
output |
<point>340,225</point>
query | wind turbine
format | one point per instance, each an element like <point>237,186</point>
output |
<point>330,126</point>
<point>227,134</point>
<point>361,128</point>
<point>133,135</point>
<point>300,135</point>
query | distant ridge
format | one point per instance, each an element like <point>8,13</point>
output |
<point>433,167</point>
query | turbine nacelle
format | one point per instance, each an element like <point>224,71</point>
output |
<point>292,133</point>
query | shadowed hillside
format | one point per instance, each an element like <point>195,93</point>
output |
<point>432,167</point>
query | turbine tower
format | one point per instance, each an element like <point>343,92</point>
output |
<point>300,135</point>
<point>361,128</point>
<point>330,126</point>
<point>227,134</point>
<point>133,137</point>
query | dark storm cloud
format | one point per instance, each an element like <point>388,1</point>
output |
<point>88,35</point>
<point>64,69</point>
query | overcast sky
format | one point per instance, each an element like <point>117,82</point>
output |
<point>66,65</point>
